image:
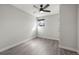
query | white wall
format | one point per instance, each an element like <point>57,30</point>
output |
<point>78,27</point>
<point>51,28</point>
<point>68,26</point>
<point>15,26</point>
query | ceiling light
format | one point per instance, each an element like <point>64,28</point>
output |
<point>41,12</point>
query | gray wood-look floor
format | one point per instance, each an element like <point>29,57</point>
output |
<point>37,46</point>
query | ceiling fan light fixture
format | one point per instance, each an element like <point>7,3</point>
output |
<point>42,8</point>
<point>41,12</point>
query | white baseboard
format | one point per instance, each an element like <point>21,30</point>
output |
<point>49,38</point>
<point>67,48</point>
<point>11,46</point>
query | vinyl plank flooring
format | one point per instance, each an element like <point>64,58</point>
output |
<point>37,46</point>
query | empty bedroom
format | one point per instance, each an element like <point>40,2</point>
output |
<point>39,29</point>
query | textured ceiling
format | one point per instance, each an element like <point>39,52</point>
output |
<point>35,12</point>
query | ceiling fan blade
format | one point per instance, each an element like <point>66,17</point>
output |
<point>35,6</point>
<point>46,6</point>
<point>46,10</point>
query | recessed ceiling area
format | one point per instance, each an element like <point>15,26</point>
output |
<point>54,8</point>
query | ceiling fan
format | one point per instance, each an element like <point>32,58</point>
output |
<point>42,8</point>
